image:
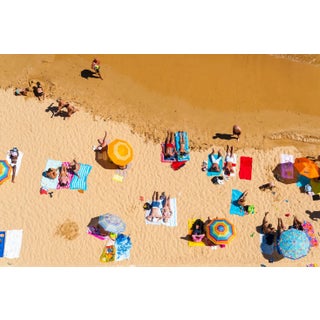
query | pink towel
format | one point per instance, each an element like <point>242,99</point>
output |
<point>245,168</point>
<point>70,175</point>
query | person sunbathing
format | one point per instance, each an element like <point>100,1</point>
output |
<point>21,92</point>
<point>228,168</point>
<point>51,173</point>
<point>169,147</point>
<point>13,155</point>
<point>74,168</point>
<point>242,200</point>
<point>215,167</point>
<point>182,151</point>
<point>197,231</point>
<point>63,176</point>
<point>280,228</point>
<point>155,213</point>
<point>166,210</point>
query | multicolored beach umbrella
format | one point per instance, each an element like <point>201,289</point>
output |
<point>220,231</point>
<point>307,168</point>
<point>112,223</point>
<point>120,152</point>
<point>294,244</point>
<point>5,171</point>
<point>286,173</point>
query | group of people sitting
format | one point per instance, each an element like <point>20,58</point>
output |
<point>37,90</point>
<point>170,151</point>
<point>160,208</point>
<point>65,105</point>
<point>271,232</point>
<point>63,171</point>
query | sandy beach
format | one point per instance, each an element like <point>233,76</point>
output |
<point>273,98</point>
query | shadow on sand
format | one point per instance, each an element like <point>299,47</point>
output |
<point>53,109</point>
<point>224,136</point>
<point>103,160</point>
<point>88,74</point>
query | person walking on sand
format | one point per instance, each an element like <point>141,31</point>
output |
<point>236,131</point>
<point>95,65</point>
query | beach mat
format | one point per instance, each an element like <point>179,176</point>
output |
<point>177,141</point>
<point>165,159</point>
<point>192,243</point>
<point>13,244</point>
<point>234,207</point>
<point>245,171</point>
<point>18,164</point>
<point>47,183</point>
<point>214,173</point>
<point>81,183</point>
<point>264,247</point>
<point>173,221</point>
<point>2,242</point>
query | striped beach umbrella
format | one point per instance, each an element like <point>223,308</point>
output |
<point>5,171</point>
<point>120,152</point>
<point>294,244</point>
<point>112,223</point>
<point>220,231</point>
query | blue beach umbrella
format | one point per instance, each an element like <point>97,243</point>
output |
<point>112,223</point>
<point>294,244</point>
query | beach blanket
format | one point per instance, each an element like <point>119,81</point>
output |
<point>186,140</point>
<point>12,244</point>
<point>2,242</point>
<point>214,173</point>
<point>176,165</point>
<point>245,168</point>
<point>172,222</point>
<point>163,158</point>
<point>264,247</point>
<point>192,243</point>
<point>47,183</point>
<point>18,164</point>
<point>70,176</point>
<point>234,207</point>
<point>81,183</point>
<point>287,168</point>
<point>123,246</point>
<point>302,181</point>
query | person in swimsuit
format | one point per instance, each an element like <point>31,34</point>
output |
<point>14,154</point>
<point>95,65</point>
<point>182,151</point>
<point>102,143</point>
<point>169,147</point>
<point>197,231</point>
<point>64,104</point>
<point>63,176</point>
<point>215,167</point>
<point>21,92</point>
<point>39,91</point>
<point>155,213</point>
<point>236,131</point>
<point>242,199</point>
<point>296,224</point>
<point>74,167</point>
<point>51,173</point>
<point>228,169</point>
<point>268,230</point>
<point>166,210</point>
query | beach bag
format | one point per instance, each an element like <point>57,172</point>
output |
<point>250,209</point>
<point>217,180</point>
<point>147,206</point>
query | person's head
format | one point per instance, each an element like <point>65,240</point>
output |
<point>165,219</point>
<point>38,84</point>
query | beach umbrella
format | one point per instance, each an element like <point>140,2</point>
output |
<point>120,152</point>
<point>220,231</point>
<point>112,223</point>
<point>307,167</point>
<point>5,171</point>
<point>286,173</point>
<point>294,244</point>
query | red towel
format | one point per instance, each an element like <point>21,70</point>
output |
<point>177,164</point>
<point>245,168</point>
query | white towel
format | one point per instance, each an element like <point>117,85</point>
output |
<point>12,244</point>
<point>18,164</point>
<point>285,158</point>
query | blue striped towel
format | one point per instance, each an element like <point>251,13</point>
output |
<point>234,207</point>
<point>2,242</point>
<point>213,173</point>
<point>47,183</point>
<point>81,183</point>
<point>177,140</point>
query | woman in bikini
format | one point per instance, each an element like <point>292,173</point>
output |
<point>14,154</point>
<point>63,177</point>
<point>51,173</point>
<point>182,151</point>
<point>155,213</point>
<point>169,147</point>
<point>166,210</point>
<point>228,168</point>
<point>74,167</point>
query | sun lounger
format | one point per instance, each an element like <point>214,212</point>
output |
<point>177,140</point>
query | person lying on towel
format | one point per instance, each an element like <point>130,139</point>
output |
<point>166,210</point>
<point>229,163</point>
<point>182,152</point>
<point>197,233</point>
<point>169,147</point>
<point>155,213</point>
<point>215,167</point>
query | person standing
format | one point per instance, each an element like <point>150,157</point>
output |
<point>236,131</point>
<point>95,65</point>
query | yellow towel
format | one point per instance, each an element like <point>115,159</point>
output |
<point>192,243</point>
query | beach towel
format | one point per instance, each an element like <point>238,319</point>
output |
<point>47,183</point>
<point>192,243</point>
<point>285,158</point>
<point>176,165</point>
<point>18,164</point>
<point>214,173</point>
<point>302,181</point>
<point>264,247</point>
<point>166,159</point>
<point>234,207</point>
<point>234,166</point>
<point>245,168</point>
<point>2,242</point>
<point>70,176</point>
<point>123,246</point>
<point>13,241</point>
<point>186,140</point>
<point>81,183</point>
<point>172,222</point>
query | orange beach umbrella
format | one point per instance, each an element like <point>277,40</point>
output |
<point>120,152</point>
<point>306,167</point>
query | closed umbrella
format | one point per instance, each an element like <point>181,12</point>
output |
<point>120,152</point>
<point>5,171</point>
<point>220,231</point>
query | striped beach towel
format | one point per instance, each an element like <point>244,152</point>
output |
<point>81,183</point>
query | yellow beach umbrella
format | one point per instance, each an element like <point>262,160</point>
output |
<point>120,152</point>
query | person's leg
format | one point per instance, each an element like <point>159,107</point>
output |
<point>14,168</point>
<point>157,196</point>
<point>231,151</point>
<point>154,196</point>
<point>103,140</point>
<point>171,138</point>
<point>167,138</point>
<point>227,150</point>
